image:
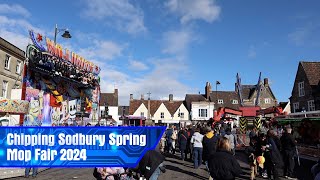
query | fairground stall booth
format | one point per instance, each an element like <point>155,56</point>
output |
<point>10,109</point>
<point>61,86</point>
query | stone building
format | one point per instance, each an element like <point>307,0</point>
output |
<point>11,67</point>
<point>305,95</point>
<point>259,94</point>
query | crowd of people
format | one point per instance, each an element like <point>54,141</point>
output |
<point>59,67</point>
<point>212,146</point>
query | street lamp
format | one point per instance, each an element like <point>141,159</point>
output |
<point>66,33</point>
<point>217,83</point>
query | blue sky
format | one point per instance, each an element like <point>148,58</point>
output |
<point>176,46</point>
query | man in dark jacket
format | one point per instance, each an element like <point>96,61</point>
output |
<point>288,152</point>
<point>189,148</point>
<point>182,140</point>
<point>150,166</point>
<point>272,155</point>
<point>169,139</point>
<point>209,143</point>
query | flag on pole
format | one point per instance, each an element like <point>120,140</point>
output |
<point>217,82</point>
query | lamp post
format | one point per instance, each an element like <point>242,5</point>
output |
<point>217,83</point>
<point>66,33</point>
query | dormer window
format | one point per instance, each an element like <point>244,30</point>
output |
<point>220,101</point>
<point>301,88</point>
<point>267,101</point>
<point>234,101</point>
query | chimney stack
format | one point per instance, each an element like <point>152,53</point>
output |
<point>170,97</point>
<point>131,97</point>
<point>142,97</point>
<point>208,90</point>
<point>266,81</point>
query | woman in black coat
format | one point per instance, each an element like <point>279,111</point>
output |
<point>222,164</point>
<point>182,140</point>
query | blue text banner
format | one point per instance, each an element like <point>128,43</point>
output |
<point>76,146</point>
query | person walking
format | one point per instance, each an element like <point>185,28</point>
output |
<point>288,152</point>
<point>272,155</point>
<point>174,138</point>
<point>189,149</point>
<point>34,172</point>
<point>232,140</point>
<point>209,143</point>
<point>222,164</point>
<point>169,139</point>
<point>182,140</point>
<point>196,141</point>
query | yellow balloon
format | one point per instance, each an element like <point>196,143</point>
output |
<point>260,160</point>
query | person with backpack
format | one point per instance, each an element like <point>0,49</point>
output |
<point>182,140</point>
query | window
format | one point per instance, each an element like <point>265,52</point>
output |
<point>234,101</point>
<point>301,88</point>
<point>182,115</point>
<point>162,115</point>
<point>7,62</point>
<point>142,114</point>
<point>203,113</point>
<point>220,101</point>
<point>267,101</point>
<point>311,106</point>
<point>295,107</point>
<point>18,67</point>
<point>4,89</point>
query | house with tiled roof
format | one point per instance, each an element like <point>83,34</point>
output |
<point>161,111</point>
<point>109,101</point>
<point>259,94</point>
<point>199,105</point>
<point>202,106</point>
<point>305,95</point>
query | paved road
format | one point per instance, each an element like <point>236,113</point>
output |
<point>176,169</point>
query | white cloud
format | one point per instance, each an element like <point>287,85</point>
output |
<point>137,65</point>
<point>299,36</point>
<point>16,31</point>
<point>176,42</point>
<point>116,13</point>
<point>161,82</point>
<point>14,9</point>
<point>252,53</point>
<point>190,10</point>
<point>102,50</point>
<point>304,34</point>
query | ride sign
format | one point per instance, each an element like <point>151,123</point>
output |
<point>76,146</point>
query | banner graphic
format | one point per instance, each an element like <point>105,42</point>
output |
<point>76,146</point>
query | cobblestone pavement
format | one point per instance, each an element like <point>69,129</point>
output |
<point>176,169</point>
